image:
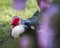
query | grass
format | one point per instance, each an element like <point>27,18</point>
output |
<point>6,14</point>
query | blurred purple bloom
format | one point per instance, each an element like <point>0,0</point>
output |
<point>19,4</point>
<point>46,33</point>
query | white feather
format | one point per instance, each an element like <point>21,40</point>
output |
<point>17,31</point>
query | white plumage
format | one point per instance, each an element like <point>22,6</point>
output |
<point>17,31</point>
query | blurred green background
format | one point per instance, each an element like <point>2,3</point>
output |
<point>6,14</point>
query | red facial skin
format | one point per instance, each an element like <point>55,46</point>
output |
<point>15,22</point>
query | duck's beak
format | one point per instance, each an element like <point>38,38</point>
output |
<point>12,27</point>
